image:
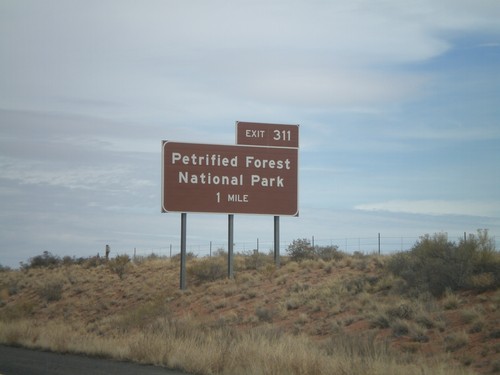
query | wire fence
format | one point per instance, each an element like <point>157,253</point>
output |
<point>366,245</point>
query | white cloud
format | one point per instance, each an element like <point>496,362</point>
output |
<point>97,178</point>
<point>435,207</point>
<point>163,55</point>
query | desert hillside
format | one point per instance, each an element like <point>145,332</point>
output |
<point>320,312</point>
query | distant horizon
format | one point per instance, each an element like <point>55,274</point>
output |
<point>203,248</point>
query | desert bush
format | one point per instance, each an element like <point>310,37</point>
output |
<point>477,326</point>
<point>17,311</point>
<point>456,341</point>
<point>140,259</point>
<point>293,303</point>
<point>451,301</point>
<point>482,281</point>
<point>301,249</point>
<point>380,320</point>
<point>356,285</point>
<point>401,311</point>
<point>474,317</point>
<point>119,265</point>
<point>67,260</point>
<point>220,252</point>
<point>93,261</point>
<point>51,290</point>
<point>494,334</point>
<point>265,314</point>
<point>329,253</point>
<point>253,260</point>
<point>47,259</point>
<point>207,269</point>
<point>189,256</point>
<point>435,264</point>
<point>4,268</point>
<point>418,333</point>
<point>425,320</point>
<point>399,327</point>
<point>70,260</point>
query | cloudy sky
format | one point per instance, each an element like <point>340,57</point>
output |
<point>398,106</point>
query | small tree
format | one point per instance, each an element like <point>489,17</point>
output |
<point>301,249</point>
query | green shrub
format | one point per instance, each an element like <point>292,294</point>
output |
<point>207,269</point>
<point>253,260</point>
<point>189,256</point>
<point>119,265</point>
<point>329,253</point>
<point>435,264</point>
<point>45,260</point>
<point>301,249</point>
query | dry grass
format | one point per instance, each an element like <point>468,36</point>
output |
<point>343,316</point>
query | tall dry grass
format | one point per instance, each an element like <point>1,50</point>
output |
<point>188,345</point>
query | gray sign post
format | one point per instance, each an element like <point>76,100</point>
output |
<point>183,250</point>
<point>230,244</point>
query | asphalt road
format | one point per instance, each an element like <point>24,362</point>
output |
<point>19,361</point>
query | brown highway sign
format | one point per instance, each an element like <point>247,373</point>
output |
<point>262,134</point>
<point>229,179</point>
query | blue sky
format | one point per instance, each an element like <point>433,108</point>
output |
<point>397,105</point>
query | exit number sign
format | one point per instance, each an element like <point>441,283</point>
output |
<point>271,135</point>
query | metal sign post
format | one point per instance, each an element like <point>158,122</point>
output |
<point>277,241</point>
<point>230,243</point>
<point>183,250</point>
